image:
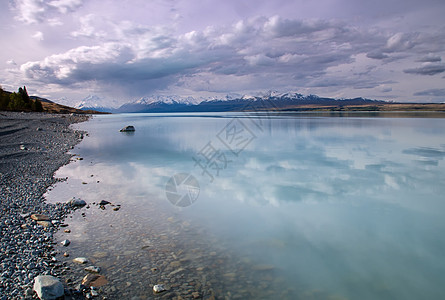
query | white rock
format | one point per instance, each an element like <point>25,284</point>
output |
<point>80,260</point>
<point>48,287</point>
<point>159,288</point>
<point>65,243</point>
<point>92,269</point>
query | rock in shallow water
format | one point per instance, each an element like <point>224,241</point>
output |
<point>76,202</point>
<point>159,288</point>
<point>127,129</point>
<point>104,202</point>
<point>94,280</point>
<point>48,287</point>
<point>80,260</point>
<point>92,269</point>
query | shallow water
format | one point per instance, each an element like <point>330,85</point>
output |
<point>296,206</point>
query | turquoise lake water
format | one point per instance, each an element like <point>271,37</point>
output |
<point>320,206</point>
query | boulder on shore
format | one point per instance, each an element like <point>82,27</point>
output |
<point>48,287</point>
<point>128,129</point>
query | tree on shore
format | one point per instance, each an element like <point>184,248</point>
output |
<point>4,99</point>
<point>19,101</point>
<point>16,102</point>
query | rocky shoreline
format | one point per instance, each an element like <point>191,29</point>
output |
<point>32,147</point>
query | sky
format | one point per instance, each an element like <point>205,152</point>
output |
<point>120,51</point>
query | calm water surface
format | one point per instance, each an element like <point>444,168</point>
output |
<point>295,206</point>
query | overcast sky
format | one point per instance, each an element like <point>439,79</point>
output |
<point>127,49</point>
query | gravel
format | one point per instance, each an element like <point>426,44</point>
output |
<point>32,147</point>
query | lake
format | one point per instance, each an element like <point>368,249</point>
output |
<point>261,205</point>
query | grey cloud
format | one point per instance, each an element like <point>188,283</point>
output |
<point>430,58</point>
<point>144,53</point>
<point>280,27</point>
<point>431,92</point>
<point>386,89</point>
<point>263,52</point>
<point>377,55</point>
<point>430,69</point>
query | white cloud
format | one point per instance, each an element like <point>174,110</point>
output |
<point>30,11</point>
<point>38,36</point>
<point>65,6</point>
<point>36,11</point>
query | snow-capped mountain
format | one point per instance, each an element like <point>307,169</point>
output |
<point>93,102</point>
<point>234,102</point>
<point>229,102</point>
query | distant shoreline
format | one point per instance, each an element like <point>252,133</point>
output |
<point>387,107</point>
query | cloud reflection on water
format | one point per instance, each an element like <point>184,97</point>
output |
<point>336,202</point>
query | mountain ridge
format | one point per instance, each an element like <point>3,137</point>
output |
<point>266,101</point>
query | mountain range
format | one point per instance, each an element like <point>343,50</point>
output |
<point>265,101</point>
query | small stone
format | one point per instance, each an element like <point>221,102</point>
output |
<point>116,208</point>
<point>48,287</point>
<point>39,217</point>
<point>100,254</point>
<point>92,269</point>
<point>196,295</point>
<point>65,243</point>
<point>94,293</point>
<point>80,260</point>
<point>159,288</point>
<point>104,202</point>
<point>22,147</point>
<point>39,129</point>
<point>44,223</point>
<point>263,267</point>
<point>66,254</point>
<point>67,231</point>
<point>175,272</point>
<point>175,264</point>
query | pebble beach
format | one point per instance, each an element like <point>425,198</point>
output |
<point>32,147</point>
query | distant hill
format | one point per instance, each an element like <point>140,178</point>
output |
<point>55,108</point>
<point>40,99</point>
